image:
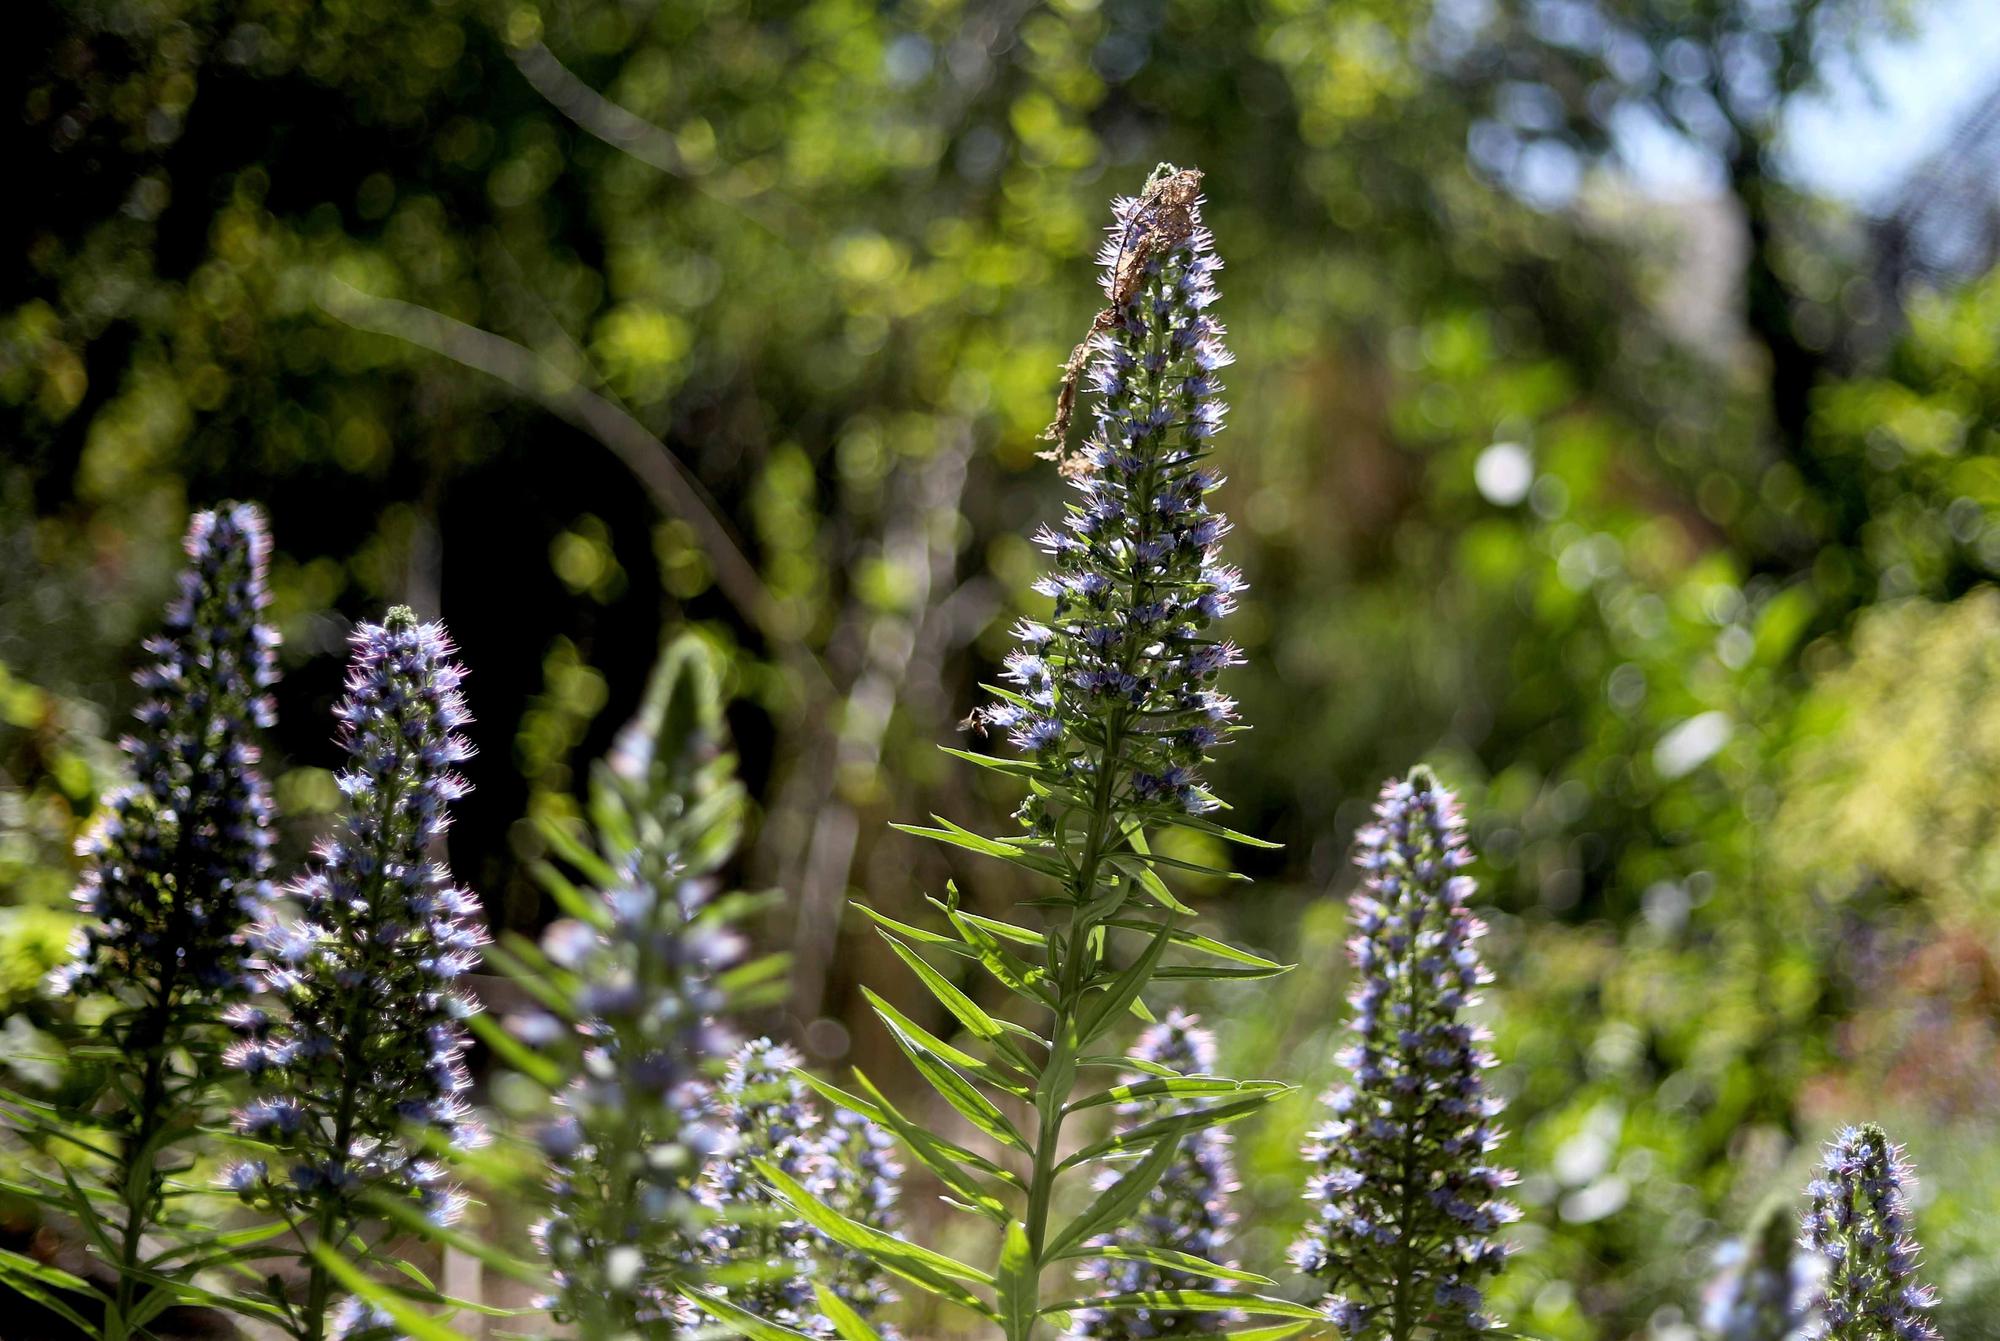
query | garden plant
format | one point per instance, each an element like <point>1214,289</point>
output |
<point>290,1089</point>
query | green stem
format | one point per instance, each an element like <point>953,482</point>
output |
<point>138,1163</point>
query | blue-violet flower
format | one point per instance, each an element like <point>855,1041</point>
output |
<point>1405,1200</point>
<point>1122,675</point>
<point>177,867</point>
<point>1859,1226</point>
<point>369,971</point>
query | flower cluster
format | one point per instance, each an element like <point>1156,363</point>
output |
<point>370,1035</point>
<point>1406,1202</point>
<point>868,1185</point>
<point>626,1141</point>
<point>1859,1226</point>
<point>177,867</point>
<point>770,1116</point>
<point>1187,1211</point>
<point>1122,675</point>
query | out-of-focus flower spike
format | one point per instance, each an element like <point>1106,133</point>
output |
<point>1187,1211</point>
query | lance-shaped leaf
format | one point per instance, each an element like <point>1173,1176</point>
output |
<point>957,1091</point>
<point>1189,1087</point>
<point>847,1324</point>
<point>948,944</point>
<point>741,1321</point>
<point>878,1109</point>
<point>962,1007</point>
<point>954,1166</point>
<point>1125,989</point>
<point>955,836</point>
<point>1194,1301</point>
<point>1025,980</point>
<point>977,1067</point>
<point>933,1271</point>
<point>1186,1263</point>
<point>1147,1133</point>
<point>1019,1289</point>
<point>1190,940</point>
<point>1117,1201</point>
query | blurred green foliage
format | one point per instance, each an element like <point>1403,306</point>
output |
<point>1658,525</point>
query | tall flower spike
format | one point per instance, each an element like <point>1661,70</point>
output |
<point>1125,666</point>
<point>1405,1200</point>
<point>1115,701</point>
<point>1859,1225</point>
<point>368,972</point>
<point>1187,1211</point>
<point>637,970</point>
<point>770,1116</point>
<point>177,866</point>
<point>175,871</point>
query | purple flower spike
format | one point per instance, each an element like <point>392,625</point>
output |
<point>1127,658</point>
<point>369,966</point>
<point>1405,1198</point>
<point>178,865</point>
<point>1859,1226</point>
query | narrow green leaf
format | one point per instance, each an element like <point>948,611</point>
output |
<point>742,1320</point>
<point>1006,931</point>
<point>1207,945</point>
<point>1122,1197</point>
<point>50,1300</point>
<point>955,836</point>
<point>847,1324</point>
<point>1126,988</point>
<point>949,944</point>
<point>402,1212</point>
<point>1149,880</point>
<point>1020,1284</point>
<point>921,1266</point>
<point>1211,973</point>
<point>959,1092</point>
<point>420,1326</point>
<point>1136,859</point>
<point>1214,830</point>
<point>963,1007</point>
<point>1020,768</point>
<point>958,1057</point>
<point>1182,1086</point>
<point>1025,980</point>
<point>518,1055</point>
<point>942,1159</point>
<point>1119,1061</point>
<point>18,1266</point>
<point>1185,1263</point>
<point>577,852</point>
<point>1146,1134</point>
<point>1196,1301</point>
